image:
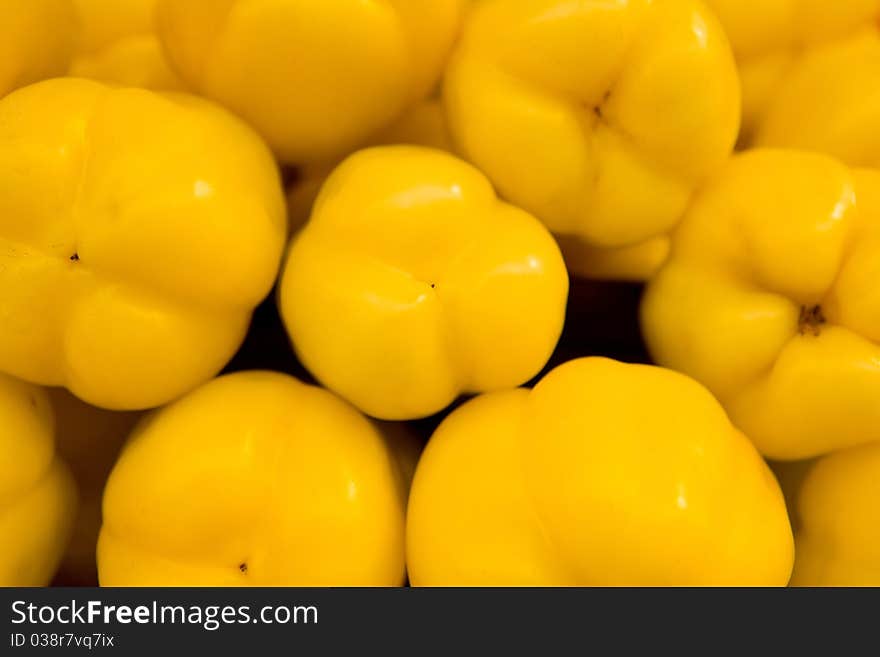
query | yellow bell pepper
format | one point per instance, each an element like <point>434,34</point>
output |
<point>412,283</point>
<point>137,233</point>
<point>423,125</point>
<point>837,540</point>
<point>37,39</point>
<point>771,300</point>
<point>635,263</point>
<point>603,474</point>
<point>831,102</point>
<point>264,481</point>
<point>315,77</point>
<point>600,118</point>
<point>426,125</point>
<point>809,72</point>
<point>37,493</point>
<point>89,440</point>
<point>118,44</point>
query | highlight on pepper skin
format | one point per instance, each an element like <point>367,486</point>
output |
<point>38,498</point>
<point>770,299</point>
<point>37,40</point>
<point>598,118</point>
<point>266,481</point>
<point>132,279</point>
<point>810,74</point>
<point>412,283</point>
<point>603,474</point>
<point>315,77</point>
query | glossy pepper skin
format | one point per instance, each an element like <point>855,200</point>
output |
<point>37,38</point>
<point>265,481</point>
<point>118,43</point>
<point>315,77</point>
<point>423,125</point>
<point>837,540</point>
<point>37,493</point>
<point>809,73</point>
<point>413,283</point>
<point>137,233</point>
<point>89,440</point>
<point>598,118</point>
<point>603,474</point>
<point>770,299</point>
